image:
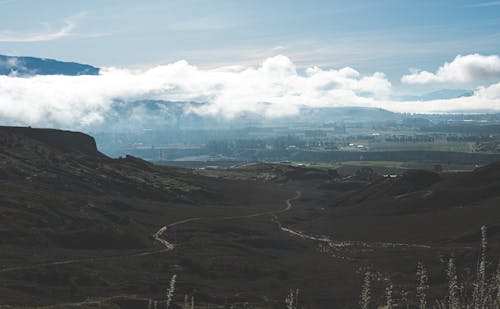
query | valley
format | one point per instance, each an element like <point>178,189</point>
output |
<point>228,154</point>
<point>78,227</point>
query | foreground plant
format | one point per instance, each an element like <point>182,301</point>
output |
<point>472,292</point>
<point>388,297</point>
<point>171,290</point>
<point>453,288</point>
<point>188,302</point>
<point>365,291</point>
<point>292,299</point>
<point>422,285</point>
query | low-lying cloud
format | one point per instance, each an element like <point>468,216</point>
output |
<point>463,69</point>
<point>274,89</point>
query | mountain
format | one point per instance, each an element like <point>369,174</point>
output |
<point>446,94</point>
<point>29,66</point>
<point>442,94</point>
<point>346,114</point>
<point>157,114</point>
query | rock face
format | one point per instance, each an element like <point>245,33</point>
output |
<point>64,141</point>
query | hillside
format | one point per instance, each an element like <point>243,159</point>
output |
<point>62,201</point>
<point>419,206</point>
<point>77,226</point>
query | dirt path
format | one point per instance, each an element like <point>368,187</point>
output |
<point>332,243</point>
<point>157,236</point>
<point>169,246</point>
<point>329,241</point>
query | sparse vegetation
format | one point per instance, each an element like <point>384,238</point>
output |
<point>90,220</point>
<point>365,299</point>
<point>171,290</point>
<point>292,299</point>
<point>482,293</point>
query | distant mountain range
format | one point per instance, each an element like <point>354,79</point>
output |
<point>437,95</point>
<point>28,66</point>
<point>167,115</point>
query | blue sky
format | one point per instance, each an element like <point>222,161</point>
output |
<point>387,35</point>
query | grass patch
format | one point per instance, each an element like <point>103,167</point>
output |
<point>334,165</point>
<point>66,306</point>
<point>429,146</point>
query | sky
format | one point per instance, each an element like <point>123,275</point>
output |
<point>388,35</point>
<point>395,47</point>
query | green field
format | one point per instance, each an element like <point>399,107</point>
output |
<point>335,165</point>
<point>430,146</point>
<point>384,166</point>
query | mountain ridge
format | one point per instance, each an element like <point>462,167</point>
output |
<point>30,66</point>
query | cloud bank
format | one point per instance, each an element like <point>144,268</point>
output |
<point>463,69</point>
<point>273,89</point>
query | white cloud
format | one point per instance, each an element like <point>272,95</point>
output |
<point>274,89</point>
<point>484,99</point>
<point>463,69</point>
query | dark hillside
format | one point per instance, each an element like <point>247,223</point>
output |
<point>72,219</point>
<point>65,141</point>
<point>77,225</point>
<point>419,206</point>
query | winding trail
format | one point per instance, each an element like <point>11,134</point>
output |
<point>157,236</point>
<point>339,244</point>
<point>170,246</point>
